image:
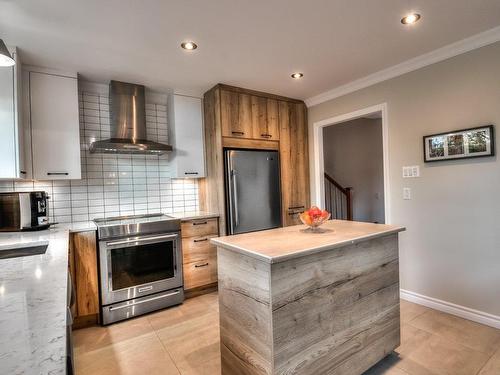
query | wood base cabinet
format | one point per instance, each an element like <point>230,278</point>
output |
<point>83,271</point>
<point>199,257</point>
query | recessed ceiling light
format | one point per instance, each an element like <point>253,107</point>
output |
<point>189,45</point>
<point>410,18</point>
<point>297,75</point>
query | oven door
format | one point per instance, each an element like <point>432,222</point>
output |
<point>138,266</point>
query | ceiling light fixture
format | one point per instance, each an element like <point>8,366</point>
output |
<point>5,57</point>
<point>410,19</point>
<point>189,45</point>
<point>297,75</point>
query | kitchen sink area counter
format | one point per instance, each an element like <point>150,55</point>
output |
<point>296,302</point>
<point>33,303</point>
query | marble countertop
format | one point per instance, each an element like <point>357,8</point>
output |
<point>33,298</point>
<point>278,245</point>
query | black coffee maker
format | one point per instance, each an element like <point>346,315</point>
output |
<point>21,211</point>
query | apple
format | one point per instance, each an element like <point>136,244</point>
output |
<point>314,212</point>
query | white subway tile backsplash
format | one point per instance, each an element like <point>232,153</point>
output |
<point>78,218</point>
<point>114,185</point>
<point>96,202</point>
<point>79,203</point>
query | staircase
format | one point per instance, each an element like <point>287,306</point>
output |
<point>338,200</point>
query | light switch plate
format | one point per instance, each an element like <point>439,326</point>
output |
<point>411,171</point>
<point>406,193</point>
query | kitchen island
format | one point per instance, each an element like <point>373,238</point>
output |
<point>296,302</point>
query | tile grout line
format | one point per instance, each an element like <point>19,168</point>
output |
<point>449,339</point>
<point>487,361</point>
<point>164,347</point>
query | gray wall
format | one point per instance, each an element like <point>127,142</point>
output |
<point>353,156</point>
<point>451,249</point>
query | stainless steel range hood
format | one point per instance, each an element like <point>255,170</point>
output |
<point>128,123</point>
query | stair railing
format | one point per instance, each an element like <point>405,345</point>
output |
<point>338,199</point>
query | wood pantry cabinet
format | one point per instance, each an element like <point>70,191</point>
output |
<point>199,256</point>
<point>241,118</point>
<point>294,161</point>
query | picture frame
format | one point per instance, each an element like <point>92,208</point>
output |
<point>460,144</point>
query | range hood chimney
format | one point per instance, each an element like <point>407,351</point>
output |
<point>128,123</point>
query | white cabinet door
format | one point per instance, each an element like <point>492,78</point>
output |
<point>186,136</point>
<point>55,133</point>
<point>11,135</point>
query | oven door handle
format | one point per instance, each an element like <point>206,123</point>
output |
<point>139,240</point>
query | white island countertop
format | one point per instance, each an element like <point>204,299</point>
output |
<point>33,300</point>
<point>278,245</point>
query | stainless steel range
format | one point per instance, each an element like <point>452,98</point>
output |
<point>140,262</point>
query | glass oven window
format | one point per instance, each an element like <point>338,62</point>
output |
<point>142,264</point>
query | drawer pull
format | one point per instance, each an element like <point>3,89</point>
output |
<point>294,213</point>
<point>201,265</point>
<point>200,223</point>
<point>238,133</point>
<point>57,173</point>
<point>295,207</point>
<point>201,240</point>
<point>190,173</point>
<point>266,135</point>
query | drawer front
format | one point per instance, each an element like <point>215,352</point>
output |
<point>195,249</point>
<point>199,228</point>
<point>200,273</point>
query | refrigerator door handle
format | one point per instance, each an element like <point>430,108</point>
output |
<point>235,194</point>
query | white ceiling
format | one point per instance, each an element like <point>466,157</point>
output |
<point>250,43</point>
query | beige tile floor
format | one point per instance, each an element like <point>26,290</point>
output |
<point>184,340</point>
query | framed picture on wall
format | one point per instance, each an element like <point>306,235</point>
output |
<point>460,144</point>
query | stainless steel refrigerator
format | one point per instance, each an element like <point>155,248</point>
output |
<point>253,200</point>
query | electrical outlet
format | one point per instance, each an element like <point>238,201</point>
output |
<point>406,193</point>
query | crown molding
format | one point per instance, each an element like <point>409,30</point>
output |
<point>476,41</point>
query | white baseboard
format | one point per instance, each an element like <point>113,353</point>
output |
<point>451,308</point>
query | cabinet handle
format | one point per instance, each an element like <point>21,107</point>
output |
<point>200,265</point>
<point>201,240</point>
<point>238,133</point>
<point>200,223</point>
<point>57,173</point>
<point>296,207</point>
<point>266,135</point>
<point>190,173</point>
<point>22,172</point>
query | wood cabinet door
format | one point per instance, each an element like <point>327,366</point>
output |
<point>236,114</point>
<point>294,161</point>
<point>84,252</point>
<point>265,118</point>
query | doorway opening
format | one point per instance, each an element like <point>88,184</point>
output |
<point>351,162</point>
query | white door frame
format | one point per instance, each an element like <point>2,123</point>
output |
<point>319,161</point>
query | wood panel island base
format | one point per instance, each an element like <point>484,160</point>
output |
<point>295,302</point>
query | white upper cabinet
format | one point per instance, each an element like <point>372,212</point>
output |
<point>186,136</point>
<point>54,125</point>
<point>11,134</point>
